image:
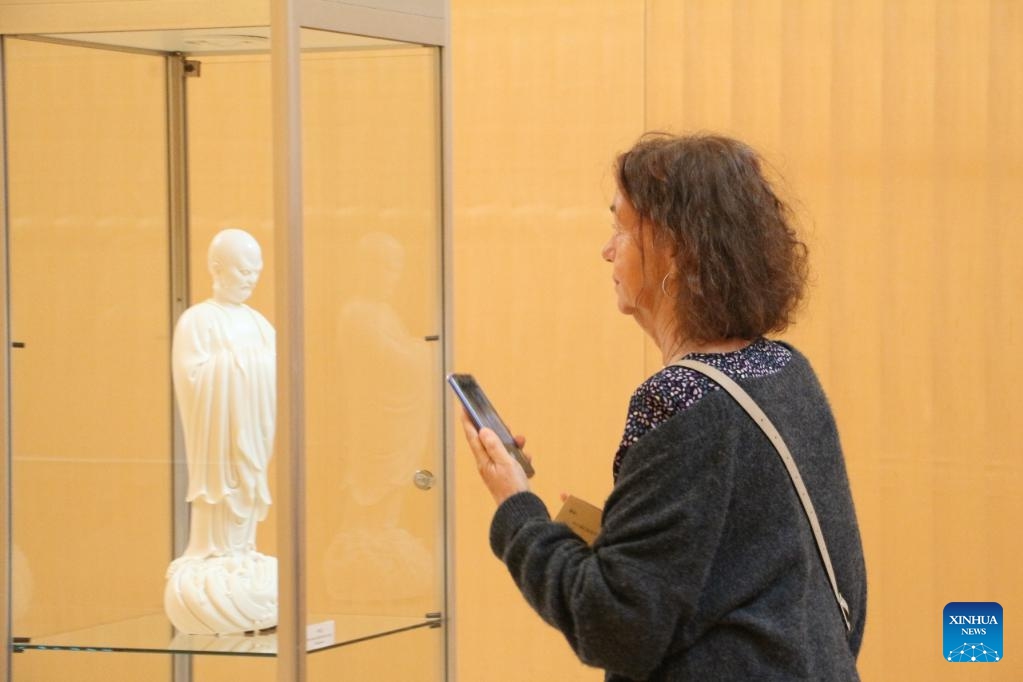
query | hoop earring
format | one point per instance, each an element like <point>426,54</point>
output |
<point>664,281</point>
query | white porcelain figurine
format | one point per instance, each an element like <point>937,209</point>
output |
<point>224,370</point>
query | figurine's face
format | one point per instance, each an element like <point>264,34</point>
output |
<point>237,277</point>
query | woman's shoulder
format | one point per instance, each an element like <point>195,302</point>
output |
<point>682,387</point>
<point>675,388</point>
<point>762,357</point>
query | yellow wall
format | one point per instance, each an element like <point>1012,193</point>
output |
<point>895,128</point>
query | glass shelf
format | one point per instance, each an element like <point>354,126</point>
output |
<point>154,634</point>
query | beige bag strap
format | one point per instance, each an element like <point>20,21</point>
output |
<point>767,427</point>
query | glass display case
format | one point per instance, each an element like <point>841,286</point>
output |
<point>133,134</point>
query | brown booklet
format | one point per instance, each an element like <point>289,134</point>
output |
<point>582,517</point>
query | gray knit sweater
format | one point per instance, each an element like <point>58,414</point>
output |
<point>706,567</point>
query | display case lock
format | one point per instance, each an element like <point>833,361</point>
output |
<point>424,479</point>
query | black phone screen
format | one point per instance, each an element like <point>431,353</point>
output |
<point>483,414</point>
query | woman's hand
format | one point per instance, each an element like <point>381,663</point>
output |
<point>500,472</point>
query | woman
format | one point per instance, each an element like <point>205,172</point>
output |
<point>706,567</point>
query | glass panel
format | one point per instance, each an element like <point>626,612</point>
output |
<point>91,406</point>
<point>230,184</point>
<point>197,42</point>
<point>373,322</point>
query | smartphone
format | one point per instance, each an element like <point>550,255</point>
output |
<point>482,413</point>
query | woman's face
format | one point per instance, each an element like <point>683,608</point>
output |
<point>624,250</point>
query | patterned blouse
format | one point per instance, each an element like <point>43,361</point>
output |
<point>675,388</point>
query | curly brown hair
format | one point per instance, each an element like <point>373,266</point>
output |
<point>741,268</point>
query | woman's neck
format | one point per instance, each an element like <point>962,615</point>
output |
<point>663,328</point>
<point>676,351</point>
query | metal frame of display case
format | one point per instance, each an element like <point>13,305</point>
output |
<point>418,21</point>
<point>5,392</point>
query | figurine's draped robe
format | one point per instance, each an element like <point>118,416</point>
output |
<point>224,378</point>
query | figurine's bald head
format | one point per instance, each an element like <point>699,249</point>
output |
<point>235,262</point>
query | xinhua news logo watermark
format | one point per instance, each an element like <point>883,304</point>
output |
<point>972,632</point>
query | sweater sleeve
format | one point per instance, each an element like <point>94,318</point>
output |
<point>620,603</point>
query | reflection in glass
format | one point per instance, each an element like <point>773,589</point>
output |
<point>372,230</point>
<point>21,579</point>
<point>382,458</point>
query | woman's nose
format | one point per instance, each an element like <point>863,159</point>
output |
<point>607,253</point>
